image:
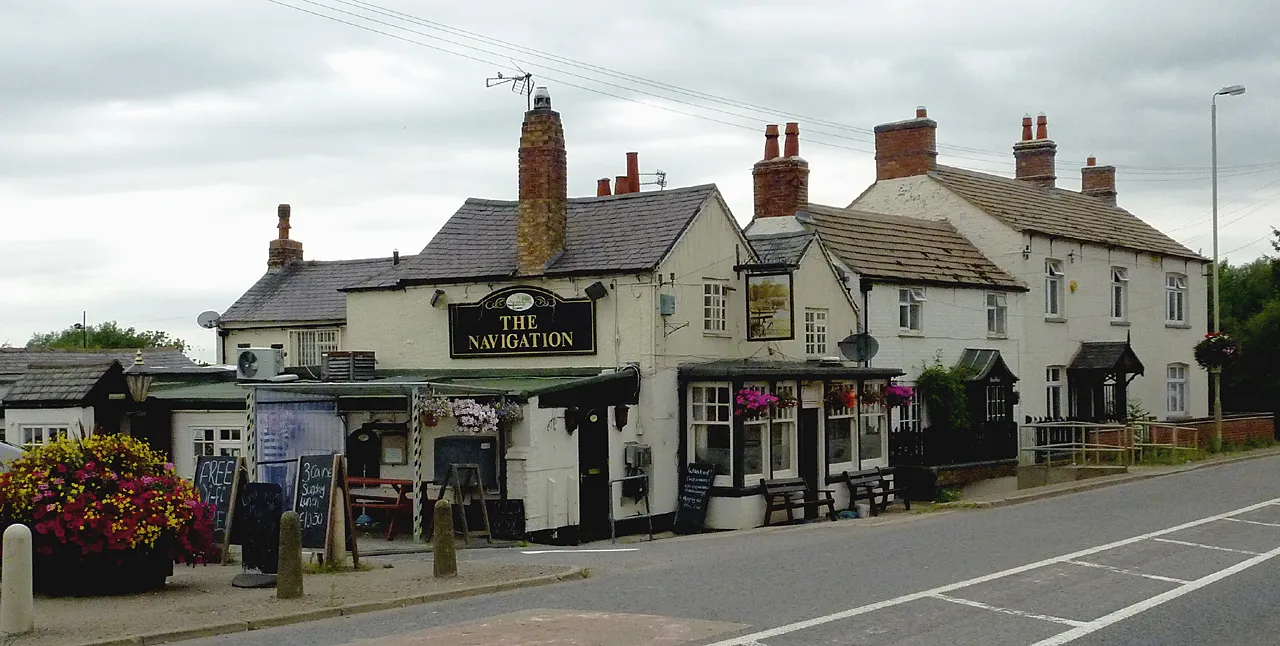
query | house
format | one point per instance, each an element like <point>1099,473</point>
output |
<point>1114,307</point>
<point>52,401</point>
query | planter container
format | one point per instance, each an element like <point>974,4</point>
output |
<point>95,575</point>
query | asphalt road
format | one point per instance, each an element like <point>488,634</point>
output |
<point>1182,559</point>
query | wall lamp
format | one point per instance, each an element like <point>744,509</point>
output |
<point>620,414</point>
<point>596,291</point>
<point>437,298</point>
<point>570,420</point>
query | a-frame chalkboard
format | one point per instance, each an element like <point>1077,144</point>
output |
<point>695,493</point>
<point>218,480</point>
<point>321,478</point>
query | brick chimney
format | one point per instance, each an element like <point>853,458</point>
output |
<point>781,183</point>
<point>282,251</point>
<point>1034,158</point>
<point>907,148</point>
<point>544,188</point>
<point>602,187</point>
<point>1098,181</point>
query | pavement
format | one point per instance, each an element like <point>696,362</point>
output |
<point>1185,557</point>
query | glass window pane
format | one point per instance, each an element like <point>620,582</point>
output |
<point>780,439</point>
<point>839,440</point>
<point>753,450</point>
<point>870,431</point>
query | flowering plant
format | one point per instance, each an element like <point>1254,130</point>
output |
<point>433,409</point>
<point>105,496</point>
<point>1216,350</point>
<point>752,403</point>
<point>896,395</point>
<point>474,417</point>
<point>842,397</point>
<point>508,413</point>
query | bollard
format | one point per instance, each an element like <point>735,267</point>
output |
<point>17,606</point>
<point>289,574</point>
<point>444,554</point>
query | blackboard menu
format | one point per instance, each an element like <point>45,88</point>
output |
<point>256,525</point>
<point>215,481</point>
<point>314,499</point>
<point>506,519</point>
<point>695,493</point>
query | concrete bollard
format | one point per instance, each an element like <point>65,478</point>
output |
<point>17,605</point>
<point>444,553</point>
<point>289,573</point>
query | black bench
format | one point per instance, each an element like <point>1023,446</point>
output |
<point>870,484</point>
<point>794,493</point>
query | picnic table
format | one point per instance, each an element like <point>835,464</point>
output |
<point>366,494</point>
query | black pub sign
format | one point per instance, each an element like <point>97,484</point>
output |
<point>522,321</point>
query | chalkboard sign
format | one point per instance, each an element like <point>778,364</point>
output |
<point>320,478</point>
<point>507,519</point>
<point>695,493</point>
<point>218,479</point>
<point>481,450</point>
<point>256,525</point>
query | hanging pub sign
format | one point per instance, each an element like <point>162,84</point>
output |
<point>522,321</point>
<point>770,307</point>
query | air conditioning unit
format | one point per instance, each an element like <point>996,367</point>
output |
<point>348,365</point>
<point>259,364</point>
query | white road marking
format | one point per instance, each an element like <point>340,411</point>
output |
<point>1206,547</point>
<point>616,549</point>
<point>1129,611</point>
<point>1156,577</point>
<point>1252,522</point>
<point>1008,611</point>
<point>747,640</point>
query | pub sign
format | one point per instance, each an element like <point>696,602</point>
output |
<point>522,321</point>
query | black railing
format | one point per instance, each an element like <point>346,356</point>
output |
<point>935,446</point>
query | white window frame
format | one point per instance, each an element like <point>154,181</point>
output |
<point>721,479</point>
<point>759,425</point>
<point>1119,294</point>
<point>911,416</point>
<point>815,332</point>
<point>873,415</point>
<point>997,314</point>
<point>996,398</point>
<point>1054,298</point>
<point>40,434</point>
<point>1175,298</point>
<point>837,414</point>
<point>221,440</point>
<point>783,424</point>
<point>911,302</point>
<point>1176,389</point>
<point>715,307</point>
<point>307,347</point>
<point>1054,388</point>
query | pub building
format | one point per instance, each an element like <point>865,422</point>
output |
<point>618,333</point>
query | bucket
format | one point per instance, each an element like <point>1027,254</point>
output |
<point>863,509</point>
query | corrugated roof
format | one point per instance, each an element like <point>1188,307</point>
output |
<point>305,291</point>
<point>58,383</point>
<point>782,248</point>
<point>14,361</point>
<point>1057,212</point>
<point>904,250</point>
<point>621,233</point>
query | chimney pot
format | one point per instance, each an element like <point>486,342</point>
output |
<point>620,185</point>
<point>602,187</point>
<point>1091,161</point>
<point>791,147</point>
<point>633,172</point>
<point>282,251</point>
<point>395,257</point>
<point>1034,159</point>
<point>770,142</point>
<point>1042,126</point>
<point>544,188</point>
<point>906,148</point>
<point>1026,127</point>
<point>780,184</point>
<point>921,112</point>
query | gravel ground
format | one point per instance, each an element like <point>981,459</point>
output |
<point>203,596</point>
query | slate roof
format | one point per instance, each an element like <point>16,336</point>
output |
<point>1106,355</point>
<point>899,249</point>
<point>1057,212</point>
<point>14,361</point>
<point>615,234</point>
<point>306,291</point>
<point>58,383</point>
<point>782,248</point>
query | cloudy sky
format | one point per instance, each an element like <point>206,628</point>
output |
<point>144,144</point>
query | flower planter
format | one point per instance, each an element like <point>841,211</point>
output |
<point>129,572</point>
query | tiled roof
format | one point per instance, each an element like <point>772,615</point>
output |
<point>1106,355</point>
<point>621,233</point>
<point>904,250</point>
<point>14,361</point>
<point>58,383</point>
<point>306,291</point>
<point>783,248</point>
<point>1057,212</point>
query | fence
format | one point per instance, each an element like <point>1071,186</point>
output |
<point>1082,443</point>
<point>934,446</point>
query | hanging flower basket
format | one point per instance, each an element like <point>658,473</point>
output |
<point>474,417</point>
<point>752,404</point>
<point>896,395</point>
<point>508,413</point>
<point>1216,350</point>
<point>842,397</point>
<point>431,410</point>
<point>871,396</point>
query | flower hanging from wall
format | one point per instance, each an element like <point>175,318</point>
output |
<point>842,397</point>
<point>474,417</point>
<point>1216,350</point>
<point>897,395</point>
<point>433,409</point>
<point>509,412</point>
<point>752,403</point>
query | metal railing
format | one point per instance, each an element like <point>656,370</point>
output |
<point>1083,443</point>
<point>648,511</point>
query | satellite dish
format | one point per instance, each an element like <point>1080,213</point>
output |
<point>859,347</point>
<point>208,320</point>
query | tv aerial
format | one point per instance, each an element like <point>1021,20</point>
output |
<point>520,84</point>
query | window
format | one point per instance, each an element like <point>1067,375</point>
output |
<point>871,422</point>
<point>308,346</point>
<point>910,309</point>
<point>840,425</point>
<point>1175,292</point>
<point>1053,288</point>
<point>714,305</point>
<point>217,441</point>
<point>997,395</point>
<point>41,434</point>
<point>911,417</point>
<point>815,332</point>
<point>753,435</point>
<point>1053,392</point>
<point>1119,294</point>
<point>1177,388</point>
<point>711,416</point>
<point>782,433</point>
<point>997,314</point>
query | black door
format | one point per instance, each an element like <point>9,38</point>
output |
<point>807,452</point>
<point>364,454</point>
<point>593,475</point>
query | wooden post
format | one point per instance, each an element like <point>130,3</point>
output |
<point>289,572</point>
<point>444,553</point>
<point>17,604</point>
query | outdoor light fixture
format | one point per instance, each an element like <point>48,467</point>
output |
<point>137,379</point>
<point>1216,373</point>
<point>620,415</point>
<point>570,420</point>
<point>437,297</point>
<point>596,291</point>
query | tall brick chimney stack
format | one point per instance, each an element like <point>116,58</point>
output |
<point>544,188</point>
<point>1098,181</point>
<point>633,172</point>
<point>1035,158</point>
<point>781,183</point>
<point>906,148</point>
<point>282,251</point>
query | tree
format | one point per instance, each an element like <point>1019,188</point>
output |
<point>1251,313</point>
<point>106,336</point>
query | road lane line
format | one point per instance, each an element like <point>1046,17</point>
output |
<point>1007,611</point>
<point>1156,577</point>
<point>746,640</point>
<point>1129,611</point>
<point>616,549</point>
<point>1252,522</point>
<point>1207,547</point>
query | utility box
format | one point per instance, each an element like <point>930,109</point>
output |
<point>666,304</point>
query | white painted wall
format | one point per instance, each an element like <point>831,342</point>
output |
<point>265,336</point>
<point>79,421</point>
<point>185,421</point>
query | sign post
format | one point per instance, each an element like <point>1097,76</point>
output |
<point>218,480</point>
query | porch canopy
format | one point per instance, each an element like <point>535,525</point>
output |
<point>1098,378</point>
<point>985,366</point>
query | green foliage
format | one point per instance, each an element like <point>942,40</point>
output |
<point>106,336</point>
<point>1251,315</point>
<point>945,399</point>
<point>1136,412</point>
<point>948,495</point>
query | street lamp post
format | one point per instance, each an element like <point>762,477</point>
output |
<point>1230,90</point>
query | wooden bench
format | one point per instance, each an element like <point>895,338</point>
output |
<point>400,505</point>
<point>870,484</point>
<point>793,493</point>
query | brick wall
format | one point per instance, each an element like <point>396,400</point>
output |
<point>780,183</point>
<point>1235,429</point>
<point>906,148</point>
<point>544,191</point>
<point>283,251</point>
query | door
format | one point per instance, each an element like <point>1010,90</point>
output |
<point>364,454</point>
<point>593,475</point>
<point>807,453</point>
